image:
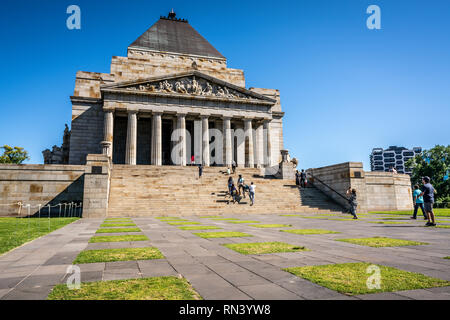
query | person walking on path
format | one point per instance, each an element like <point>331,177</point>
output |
<point>428,201</point>
<point>352,200</point>
<point>418,203</point>
<point>234,194</point>
<point>297,178</point>
<point>233,167</point>
<point>251,193</point>
<point>303,179</point>
<point>200,171</point>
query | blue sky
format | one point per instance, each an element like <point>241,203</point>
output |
<point>345,89</point>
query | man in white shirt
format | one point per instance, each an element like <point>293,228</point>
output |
<point>252,193</point>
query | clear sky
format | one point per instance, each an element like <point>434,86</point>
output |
<point>345,89</point>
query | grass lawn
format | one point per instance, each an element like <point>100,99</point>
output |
<point>118,238</point>
<point>446,257</point>
<point>350,278</point>
<point>16,231</point>
<point>228,234</point>
<point>157,288</point>
<point>443,212</point>
<point>182,223</point>
<point>263,247</point>
<point>199,228</point>
<point>445,226</point>
<point>309,231</point>
<point>126,224</point>
<point>243,221</point>
<point>115,230</point>
<point>406,219</point>
<point>125,254</point>
<point>378,242</point>
<point>271,225</point>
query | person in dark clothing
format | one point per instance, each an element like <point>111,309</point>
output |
<point>352,200</point>
<point>234,194</point>
<point>230,184</point>
<point>418,203</point>
<point>200,171</point>
<point>428,201</point>
<point>233,167</point>
<point>297,178</point>
<point>303,179</point>
<point>241,185</point>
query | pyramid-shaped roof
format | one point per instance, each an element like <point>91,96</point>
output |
<point>177,36</point>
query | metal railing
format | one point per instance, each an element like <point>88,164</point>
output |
<point>314,178</point>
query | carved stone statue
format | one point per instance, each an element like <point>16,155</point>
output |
<point>59,155</point>
<point>179,87</point>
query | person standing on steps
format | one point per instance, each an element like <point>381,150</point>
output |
<point>228,171</point>
<point>200,171</point>
<point>230,184</point>
<point>233,167</point>
<point>353,202</point>
<point>234,194</point>
<point>418,203</point>
<point>251,193</point>
<point>297,178</point>
<point>241,185</point>
<point>192,160</point>
<point>428,201</point>
<point>303,179</point>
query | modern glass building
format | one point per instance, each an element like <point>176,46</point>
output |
<point>384,159</point>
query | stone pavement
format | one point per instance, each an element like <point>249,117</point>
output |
<point>216,272</point>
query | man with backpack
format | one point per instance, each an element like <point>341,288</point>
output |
<point>303,179</point>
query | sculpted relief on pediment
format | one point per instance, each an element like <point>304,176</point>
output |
<point>189,86</point>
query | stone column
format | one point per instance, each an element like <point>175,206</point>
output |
<point>205,135</point>
<point>108,129</point>
<point>157,140</point>
<point>131,148</point>
<point>268,144</point>
<point>198,141</point>
<point>259,154</point>
<point>181,127</point>
<point>228,154</point>
<point>249,137</point>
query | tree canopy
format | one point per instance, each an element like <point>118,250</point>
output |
<point>434,163</point>
<point>15,155</point>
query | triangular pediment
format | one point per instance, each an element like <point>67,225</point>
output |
<point>192,84</point>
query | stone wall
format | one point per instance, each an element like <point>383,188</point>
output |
<point>39,184</point>
<point>96,186</point>
<point>375,190</point>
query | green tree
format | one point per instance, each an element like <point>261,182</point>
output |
<point>15,155</point>
<point>434,163</point>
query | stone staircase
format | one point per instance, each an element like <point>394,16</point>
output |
<point>171,190</point>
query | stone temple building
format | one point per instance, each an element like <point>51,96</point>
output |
<point>170,103</point>
<point>172,78</point>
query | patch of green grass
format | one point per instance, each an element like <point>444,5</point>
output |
<point>243,221</point>
<point>182,223</point>
<point>118,238</point>
<point>119,221</point>
<point>199,228</point>
<point>155,288</point>
<point>406,219</point>
<point>15,232</point>
<point>115,230</point>
<point>445,226</point>
<point>123,254</point>
<point>351,278</point>
<point>271,225</point>
<point>447,258</point>
<point>309,231</point>
<point>378,242</point>
<point>263,247</point>
<point>443,212</point>
<point>228,234</point>
<point>108,225</point>
<point>386,222</point>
